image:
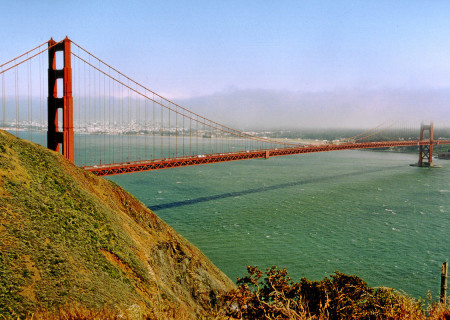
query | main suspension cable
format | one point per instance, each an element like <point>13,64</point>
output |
<point>31,57</point>
<point>226,129</point>
<point>204,121</point>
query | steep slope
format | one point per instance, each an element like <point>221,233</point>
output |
<point>67,236</point>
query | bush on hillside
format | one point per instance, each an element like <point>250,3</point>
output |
<point>274,295</point>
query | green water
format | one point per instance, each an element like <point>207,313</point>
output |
<point>359,212</point>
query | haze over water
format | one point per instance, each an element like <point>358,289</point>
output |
<point>359,212</point>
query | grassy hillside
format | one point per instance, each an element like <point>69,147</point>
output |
<point>68,237</point>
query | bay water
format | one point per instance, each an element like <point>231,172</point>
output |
<point>366,213</point>
<point>359,212</point>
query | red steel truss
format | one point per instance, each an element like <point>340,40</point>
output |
<point>138,166</point>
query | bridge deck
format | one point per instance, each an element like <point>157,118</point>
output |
<point>137,166</point>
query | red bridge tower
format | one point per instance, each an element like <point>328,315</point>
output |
<point>65,103</point>
<point>426,151</point>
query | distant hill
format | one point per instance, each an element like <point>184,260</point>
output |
<point>70,238</point>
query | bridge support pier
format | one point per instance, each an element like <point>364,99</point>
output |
<point>426,151</point>
<point>65,103</point>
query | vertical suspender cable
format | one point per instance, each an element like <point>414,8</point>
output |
<point>108,132</point>
<point>122,107</point>
<point>29,117</point>
<point>162,132</point>
<point>17,98</point>
<point>129,122</point>
<point>196,136</point>
<point>113,124</point>
<point>153,128</point>
<point>31,100</point>
<point>3,100</point>
<point>138,126</point>
<point>86,110</point>
<point>94,118</point>
<point>176,131</point>
<point>169,113</point>
<point>145,127</point>
<point>104,121</point>
<point>40,100</point>
<point>183,128</point>
<point>190,136</point>
<point>90,116</point>
<point>78,110</point>
<point>112,133</point>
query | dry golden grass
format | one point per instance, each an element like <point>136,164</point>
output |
<point>134,312</point>
<point>439,311</point>
<point>407,310</point>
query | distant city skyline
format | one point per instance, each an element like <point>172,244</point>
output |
<point>387,52</point>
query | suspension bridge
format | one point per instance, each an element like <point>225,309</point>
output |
<point>62,96</point>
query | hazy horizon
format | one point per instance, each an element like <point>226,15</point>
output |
<point>270,109</point>
<point>248,63</point>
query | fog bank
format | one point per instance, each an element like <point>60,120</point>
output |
<point>266,109</point>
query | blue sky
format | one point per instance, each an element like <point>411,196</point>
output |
<point>186,49</point>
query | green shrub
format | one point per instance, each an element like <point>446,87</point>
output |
<point>274,295</point>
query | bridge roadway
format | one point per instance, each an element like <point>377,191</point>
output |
<point>147,165</point>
